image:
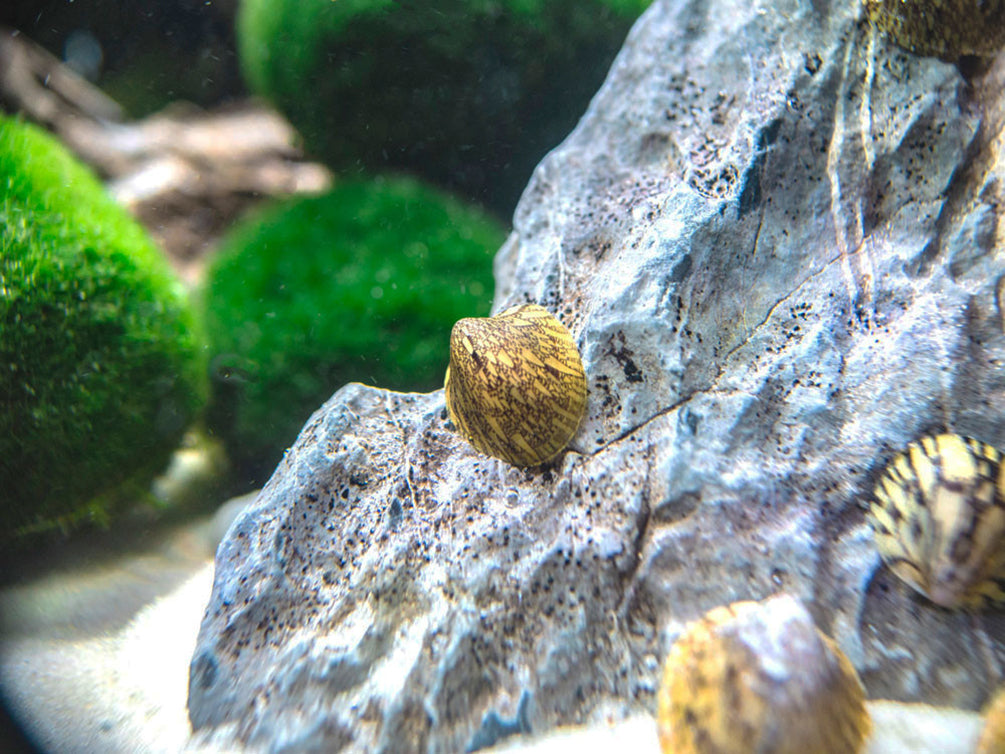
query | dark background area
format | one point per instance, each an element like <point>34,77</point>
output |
<point>143,53</point>
<point>12,739</point>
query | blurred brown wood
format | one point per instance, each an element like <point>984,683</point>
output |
<point>185,173</point>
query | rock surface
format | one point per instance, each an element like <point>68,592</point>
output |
<point>774,236</point>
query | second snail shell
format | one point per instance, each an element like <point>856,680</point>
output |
<point>760,677</point>
<point>945,29</point>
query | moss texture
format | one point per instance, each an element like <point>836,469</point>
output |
<point>101,360</point>
<point>360,284</point>
<point>468,94</point>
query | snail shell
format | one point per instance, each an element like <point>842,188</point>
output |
<point>992,740</point>
<point>515,387</point>
<point>943,28</point>
<point>938,512</point>
<point>757,677</point>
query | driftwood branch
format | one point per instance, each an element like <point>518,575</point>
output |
<point>187,174</point>
<point>35,82</point>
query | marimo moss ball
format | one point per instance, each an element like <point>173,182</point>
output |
<point>468,94</point>
<point>359,285</point>
<point>101,364</point>
<point>947,29</point>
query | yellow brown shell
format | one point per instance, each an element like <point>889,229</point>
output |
<point>938,512</point>
<point>946,29</point>
<point>515,387</point>
<point>758,677</point>
<point>992,740</point>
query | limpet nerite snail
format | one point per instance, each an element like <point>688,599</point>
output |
<point>757,677</point>
<point>938,512</point>
<point>515,386</point>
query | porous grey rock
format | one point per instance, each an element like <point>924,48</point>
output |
<point>775,238</point>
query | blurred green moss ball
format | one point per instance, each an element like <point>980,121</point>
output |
<point>360,284</point>
<point>101,364</point>
<point>467,94</point>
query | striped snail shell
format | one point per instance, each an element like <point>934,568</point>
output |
<point>946,29</point>
<point>938,512</point>
<point>515,387</point>
<point>757,677</point>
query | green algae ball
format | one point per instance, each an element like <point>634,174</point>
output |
<point>467,94</point>
<point>361,284</point>
<point>100,362</point>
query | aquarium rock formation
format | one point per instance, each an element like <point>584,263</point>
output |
<point>774,237</point>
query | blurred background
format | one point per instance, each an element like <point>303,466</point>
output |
<point>144,55</point>
<point>213,215</point>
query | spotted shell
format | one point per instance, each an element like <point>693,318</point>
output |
<point>757,677</point>
<point>515,386</point>
<point>938,512</point>
<point>992,740</point>
<point>946,29</point>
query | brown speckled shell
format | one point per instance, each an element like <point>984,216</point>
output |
<point>945,29</point>
<point>758,677</point>
<point>992,740</point>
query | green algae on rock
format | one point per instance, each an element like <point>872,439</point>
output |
<point>947,29</point>
<point>102,367</point>
<point>360,284</point>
